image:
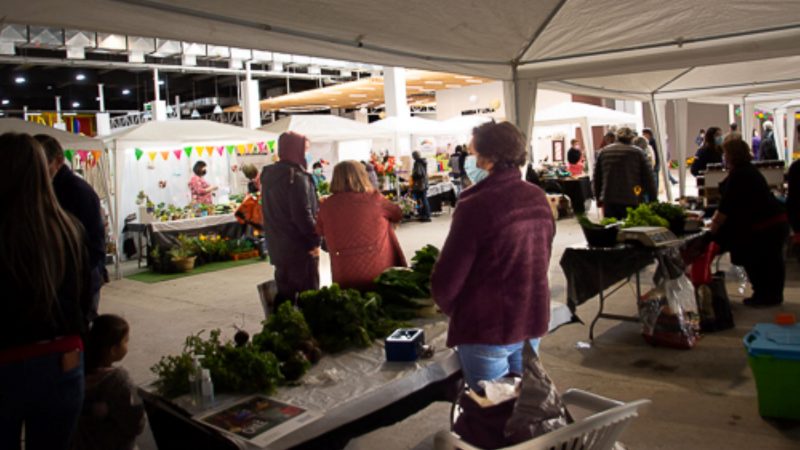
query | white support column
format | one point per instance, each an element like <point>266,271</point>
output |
<point>780,134</point>
<point>748,119</point>
<point>791,133</point>
<point>681,110</point>
<point>117,195</point>
<point>394,92</point>
<point>659,110</point>
<point>732,114</point>
<point>102,98</point>
<point>102,119</point>
<point>638,111</point>
<point>520,105</point>
<point>588,143</point>
<point>251,109</point>
<point>59,121</point>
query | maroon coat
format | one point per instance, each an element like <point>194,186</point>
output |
<point>358,233</point>
<point>491,277</point>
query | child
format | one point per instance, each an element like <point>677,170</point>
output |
<point>113,414</point>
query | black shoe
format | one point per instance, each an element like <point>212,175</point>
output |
<point>425,219</point>
<point>758,303</point>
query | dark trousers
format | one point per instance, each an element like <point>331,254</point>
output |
<point>765,265</point>
<point>424,206</point>
<point>295,276</point>
<point>40,395</point>
<point>616,211</point>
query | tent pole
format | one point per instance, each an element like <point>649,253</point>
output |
<point>661,146</point>
<point>116,235</point>
<point>681,111</point>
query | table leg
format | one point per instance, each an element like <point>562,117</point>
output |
<point>600,311</point>
<point>140,249</point>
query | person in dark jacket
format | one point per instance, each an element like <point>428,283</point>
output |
<point>710,152</point>
<point>372,175</point>
<point>502,227</point>
<point>623,176</point>
<point>768,150</point>
<point>419,188</point>
<point>752,224</point>
<point>44,275</point>
<point>290,205</point>
<point>78,198</point>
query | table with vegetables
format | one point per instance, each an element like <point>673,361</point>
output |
<point>324,354</point>
<point>603,265</point>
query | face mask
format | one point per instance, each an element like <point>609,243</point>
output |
<point>318,172</point>
<point>203,172</point>
<point>718,140</point>
<point>475,173</point>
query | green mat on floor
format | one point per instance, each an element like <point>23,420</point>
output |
<point>153,277</point>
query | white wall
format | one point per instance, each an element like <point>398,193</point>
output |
<point>542,136</point>
<point>451,102</point>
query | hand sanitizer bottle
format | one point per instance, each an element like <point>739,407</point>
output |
<point>207,388</point>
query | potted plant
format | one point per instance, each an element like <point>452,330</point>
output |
<point>242,249</point>
<point>183,255</point>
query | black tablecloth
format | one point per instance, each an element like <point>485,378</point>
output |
<point>590,270</point>
<point>167,239</point>
<point>579,190</point>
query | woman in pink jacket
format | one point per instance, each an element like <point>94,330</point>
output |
<point>356,225</point>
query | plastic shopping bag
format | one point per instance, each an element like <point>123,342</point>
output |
<point>669,314</point>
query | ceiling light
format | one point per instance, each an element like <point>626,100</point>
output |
<point>473,81</point>
<point>473,98</point>
<point>160,82</point>
<point>5,101</point>
<point>462,77</point>
<point>19,80</point>
<point>76,104</point>
<point>434,82</point>
<point>195,114</point>
<point>452,86</point>
<point>418,88</point>
<point>358,95</point>
<point>366,88</point>
<point>80,77</point>
<point>126,92</point>
<point>217,109</point>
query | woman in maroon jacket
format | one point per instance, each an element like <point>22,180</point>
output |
<point>356,224</point>
<point>491,277</point>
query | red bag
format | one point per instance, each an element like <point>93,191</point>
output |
<point>700,270</point>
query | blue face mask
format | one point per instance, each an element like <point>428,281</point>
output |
<point>475,173</point>
<point>718,140</point>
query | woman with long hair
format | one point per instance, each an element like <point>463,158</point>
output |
<point>44,274</point>
<point>201,190</point>
<point>710,152</point>
<point>356,225</point>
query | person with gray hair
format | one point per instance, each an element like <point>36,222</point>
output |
<point>623,178</point>
<point>644,144</point>
<point>768,151</point>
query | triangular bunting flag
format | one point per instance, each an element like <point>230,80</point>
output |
<point>83,155</point>
<point>68,154</point>
<point>260,147</point>
<point>97,154</point>
<point>152,155</point>
<point>271,145</point>
<point>138,152</point>
<point>210,151</point>
<point>249,148</point>
<point>220,150</point>
<point>165,155</point>
<point>177,153</point>
<point>230,149</point>
<point>188,151</point>
<point>240,149</point>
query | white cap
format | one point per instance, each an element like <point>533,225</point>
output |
<point>768,125</point>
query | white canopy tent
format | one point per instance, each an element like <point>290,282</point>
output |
<point>151,157</point>
<point>520,43</point>
<point>586,116</point>
<point>67,140</point>
<point>332,138</point>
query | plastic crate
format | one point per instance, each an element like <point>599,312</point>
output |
<point>774,357</point>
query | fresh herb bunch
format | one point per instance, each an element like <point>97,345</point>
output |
<point>242,369</point>
<point>323,188</point>
<point>342,319</point>
<point>643,216</point>
<point>287,334</point>
<point>668,211</point>
<point>585,222</point>
<point>405,292</point>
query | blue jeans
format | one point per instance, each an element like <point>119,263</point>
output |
<point>422,202</point>
<point>40,395</point>
<point>490,362</point>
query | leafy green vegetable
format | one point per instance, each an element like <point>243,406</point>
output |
<point>406,292</point>
<point>585,222</point>
<point>343,319</point>
<point>608,221</point>
<point>287,334</point>
<point>668,211</point>
<point>643,216</point>
<point>242,369</point>
<point>323,188</point>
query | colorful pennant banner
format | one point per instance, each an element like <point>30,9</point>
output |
<point>138,152</point>
<point>68,154</point>
<point>97,154</point>
<point>177,153</point>
<point>188,151</point>
<point>152,155</point>
<point>165,155</point>
<point>241,149</point>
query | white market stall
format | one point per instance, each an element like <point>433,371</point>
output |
<point>332,138</point>
<point>585,116</point>
<point>157,158</point>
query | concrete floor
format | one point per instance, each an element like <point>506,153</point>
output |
<point>704,398</point>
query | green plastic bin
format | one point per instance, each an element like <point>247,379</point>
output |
<point>774,357</point>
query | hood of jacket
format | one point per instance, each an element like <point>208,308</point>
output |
<point>292,148</point>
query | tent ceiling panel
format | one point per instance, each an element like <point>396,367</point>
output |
<point>178,133</point>
<point>616,26</point>
<point>574,113</point>
<point>323,128</point>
